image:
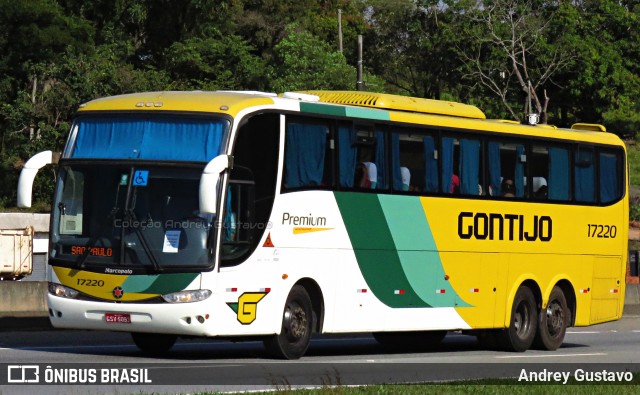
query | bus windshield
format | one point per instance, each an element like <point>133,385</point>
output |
<point>149,137</point>
<point>133,215</point>
<point>127,192</point>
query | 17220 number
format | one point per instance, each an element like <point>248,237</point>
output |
<point>602,231</point>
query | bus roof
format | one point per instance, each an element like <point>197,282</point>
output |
<point>227,102</point>
<point>364,105</point>
<point>399,103</point>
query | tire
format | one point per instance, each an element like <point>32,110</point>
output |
<point>521,332</point>
<point>153,343</point>
<point>553,322</point>
<point>297,321</point>
<point>415,340</point>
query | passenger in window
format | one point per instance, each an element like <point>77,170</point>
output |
<point>539,185</point>
<point>508,189</point>
<point>406,178</point>
<point>362,177</point>
<point>372,170</point>
<point>455,184</point>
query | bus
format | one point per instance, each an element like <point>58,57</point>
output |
<point>249,215</point>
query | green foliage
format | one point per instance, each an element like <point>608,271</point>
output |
<point>57,54</point>
<point>633,156</point>
<point>219,62</point>
<point>302,61</point>
<point>634,212</point>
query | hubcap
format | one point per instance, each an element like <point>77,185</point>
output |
<point>555,318</point>
<point>296,322</point>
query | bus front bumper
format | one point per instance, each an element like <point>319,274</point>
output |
<point>186,319</point>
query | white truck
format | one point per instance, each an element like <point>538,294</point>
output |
<point>16,257</point>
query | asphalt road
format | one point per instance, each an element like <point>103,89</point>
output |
<point>213,365</point>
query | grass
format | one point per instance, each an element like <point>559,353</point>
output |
<point>475,387</point>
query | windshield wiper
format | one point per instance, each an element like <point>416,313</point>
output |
<point>143,240</point>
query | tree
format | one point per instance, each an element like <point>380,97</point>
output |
<point>34,36</point>
<point>407,43</point>
<point>215,62</point>
<point>509,49</point>
<point>302,61</point>
<point>604,85</point>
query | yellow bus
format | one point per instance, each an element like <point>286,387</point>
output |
<point>255,215</point>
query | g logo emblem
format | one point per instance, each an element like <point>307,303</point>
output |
<point>247,306</point>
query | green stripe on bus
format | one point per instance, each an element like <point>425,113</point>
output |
<point>355,112</point>
<point>138,283</point>
<point>375,250</point>
<point>161,284</point>
<point>369,113</point>
<point>322,109</point>
<point>417,250</point>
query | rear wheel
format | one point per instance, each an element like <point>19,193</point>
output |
<point>295,334</point>
<point>553,322</point>
<point>154,343</point>
<point>522,329</point>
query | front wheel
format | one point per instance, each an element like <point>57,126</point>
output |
<point>154,343</point>
<point>295,334</point>
<point>521,332</point>
<point>553,322</point>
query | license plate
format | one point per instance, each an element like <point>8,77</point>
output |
<point>117,318</point>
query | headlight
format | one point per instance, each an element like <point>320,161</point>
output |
<point>62,291</point>
<point>187,296</point>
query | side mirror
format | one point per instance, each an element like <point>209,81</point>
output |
<point>209,183</point>
<point>28,174</point>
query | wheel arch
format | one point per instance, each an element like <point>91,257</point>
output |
<point>535,289</point>
<point>317,301</point>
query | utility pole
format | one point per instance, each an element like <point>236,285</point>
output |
<point>359,83</point>
<point>340,30</point>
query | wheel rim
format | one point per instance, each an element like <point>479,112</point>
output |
<point>521,320</point>
<point>295,319</point>
<point>555,318</point>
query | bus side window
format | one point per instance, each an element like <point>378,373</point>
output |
<point>507,170</point>
<point>430,174</point>
<point>559,186</point>
<point>361,158</point>
<point>610,180</point>
<point>450,180</point>
<point>380,163</point>
<point>408,161</point>
<point>584,175</point>
<point>461,165</point>
<point>470,167</point>
<point>348,172</point>
<point>306,146</point>
<point>550,173</point>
